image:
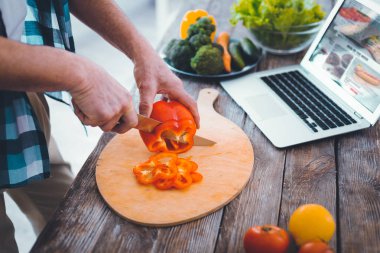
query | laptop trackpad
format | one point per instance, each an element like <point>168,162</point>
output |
<point>265,107</point>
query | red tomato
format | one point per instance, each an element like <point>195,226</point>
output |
<point>315,247</point>
<point>266,239</point>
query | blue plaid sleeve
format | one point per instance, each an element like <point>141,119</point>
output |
<point>23,149</point>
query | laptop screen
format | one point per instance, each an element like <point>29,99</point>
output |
<point>349,52</point>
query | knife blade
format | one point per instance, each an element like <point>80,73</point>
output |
<point>148,124</point>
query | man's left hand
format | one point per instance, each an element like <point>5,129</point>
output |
<point>153,77</point>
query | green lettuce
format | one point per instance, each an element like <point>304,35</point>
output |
<point>276,15</point>
<point>281,17</point>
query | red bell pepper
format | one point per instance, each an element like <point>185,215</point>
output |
<point>177,124</point>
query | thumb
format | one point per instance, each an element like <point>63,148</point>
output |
<point>146,101</point>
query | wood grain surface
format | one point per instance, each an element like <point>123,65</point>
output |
<point>341,173</point>
<point>225,166</point>
<point>358,159</point>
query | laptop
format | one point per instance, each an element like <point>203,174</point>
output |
<point>335,89</point>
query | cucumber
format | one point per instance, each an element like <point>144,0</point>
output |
<point>236,53</point>
<point>250,52</point>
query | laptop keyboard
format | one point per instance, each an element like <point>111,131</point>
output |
<point>307,101</point>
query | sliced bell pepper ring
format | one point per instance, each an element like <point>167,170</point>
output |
<point>166,171</point>
<point>193,164</point>
<point>182,180</point>
<point>164,158</point>
<point>144,172</point>
<point>196,177</point>
<point>184,165</point>
<point>164,184</point>
<point>163,171</point>
<point>175,133</point>
<point>159,166</point>
<point>165,165</point>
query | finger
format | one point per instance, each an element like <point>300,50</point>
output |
<point>82,117</point>
<point>184,98</point>
<point>90,122</point>
<point>110,124</point>
<point>126,122</point>
<point>77,111</point>
<point>147,96</point>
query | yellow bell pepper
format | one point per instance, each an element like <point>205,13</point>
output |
<point>190,18</point>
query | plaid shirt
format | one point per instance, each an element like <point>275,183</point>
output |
<point>23,149</point>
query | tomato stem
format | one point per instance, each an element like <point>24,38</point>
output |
<point>266,229</point>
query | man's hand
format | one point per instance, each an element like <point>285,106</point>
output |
<point>151,74</point>
<point>99,100</point>
<point>153,77</point>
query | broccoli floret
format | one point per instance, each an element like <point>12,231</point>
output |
<point>202,26</point>
<point>179,53</point>
<point>218,46</point>
<point>198,40</point>
<point>168,47</point>
<point>207,61</point>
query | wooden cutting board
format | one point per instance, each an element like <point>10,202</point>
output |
<point>226,168</point>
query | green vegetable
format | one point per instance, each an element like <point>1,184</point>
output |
<point>179,53</point>
<point>218,46</point>
<point>277,15</point>
<point>167,49</point>
<point>250,52</point>
<point>208,61</point>
<point>202,26</point>
<point>236,55</point>
<point>264,17</point>
<point>198,40</point>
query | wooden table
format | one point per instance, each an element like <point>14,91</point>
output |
<point>341,173</point>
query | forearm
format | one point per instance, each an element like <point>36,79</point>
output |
<point>106,18</point>
<point>37,68</point>
<point>151,73</point>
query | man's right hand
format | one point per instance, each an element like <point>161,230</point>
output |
<point>99,100</point>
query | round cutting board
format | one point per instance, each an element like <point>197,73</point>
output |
<point>225,166</point>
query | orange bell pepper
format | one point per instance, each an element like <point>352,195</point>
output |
<point>176,132</point>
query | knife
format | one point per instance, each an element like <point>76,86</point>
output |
<point>148,124</point>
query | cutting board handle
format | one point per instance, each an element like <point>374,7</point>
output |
<point>207,97</point>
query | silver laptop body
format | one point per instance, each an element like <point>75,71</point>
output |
<point>359,100</point>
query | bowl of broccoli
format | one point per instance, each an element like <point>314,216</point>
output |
<point>197,55</point>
